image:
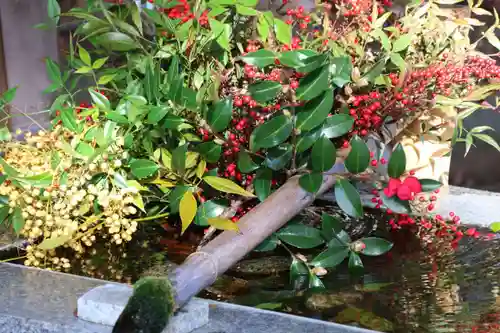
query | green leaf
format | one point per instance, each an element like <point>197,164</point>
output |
<point>246,11</point>
<point>495,226</point>
<point>84,56</point>
<point>398,61</point>
<point>53,71</point>
<point>375,246</point>
<point>117,41</point>
<point>271,133</point>
<point>262,183</point>
<point>264,91</point>
<point>323,155</point>
<point>402,43</point>
<point>222,33</point>
<point>283,31</point>
<point>299,59</point>
<point>298,269</point>
<point>55,159</point>
<point>226,186</point>
<point>348,198</point>
<point>99,63</point>
<point>429,185</point>
<point>331,257</point>
<point>487,139</point>
<point>4,212</point>
<point>355,263</point>
<point>207,210</point>
<point>156,114</point>
<point>359,157</point>
<point>330,226</point>
<point>53,10</point>
<point>269,244</point>
<point>260,58</point>
<point>278,157</point>
<point>187,210</point>
<point>395,204</point>
<point>397,162</point>
<point>85,149</point>
<point>245,162</point>
<point>7,169</point>
<point>263,27</point>
<point>341,70</point>
<point>219,116</point>
<point>384,40</point>
<point>311,182</point>
<point>136,17</point>
<point>482,92</point>
<point>307,139</point>
<point>118,118</point>
<point>68,118</point>
<point>179,159</point>
<point>174,198</point>
<point>17,220</point>
<point>99,100</point>
<point>313,84</point>
<point>9,95</point>
<point>210,151</point>
<point>301,236</point>
<point>54,242</point>
<point>143,168</point>
<point>105,79</point>
<point>41,180</point>
<point>337,125</point>
<point>315,111</point>
<point>5,134</point>
<point>315,282</point>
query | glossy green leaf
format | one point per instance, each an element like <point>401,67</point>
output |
<point>219,115</point>
<point>330,226</point>
<point>283,31</point>
<point>143,168</point>
<point>429,185</point>
<point>208,209</point>
<point>487,139</point>
<point>99,100</point>
<point>395,204</point>
<point>4,213</point>
<point>311,182</point>
<point>222,33</point>
<point>307,139</point>
<point>315,111</point>
<point>53,71</point>
<point>359,157</point>
<point>179,156</point>
<point>278,157</point>
<point>262,183</point>
<point>301,236</point>
<point>337,125</point>
<point>271,133</point>
<point>263,27</point>
<point>298,269</point>
<point>315,282</point>
<point>84,56</point>
<point>156,114</point>
<point>297,58</point>
<point>17,220</point>
<point>402,43</point>
<point>323,155</point>
<point>68,118</point>
<point>260,58</point>
<point>117,41</point>
<point>246,11</point>
<point>398,61</point>
<point>397,162</point>
<point>40,180</point>
<point>269,244</point>
<point>245,163</point>
<point>226,186</point>
<point>313,84</point>
<point>348,198</point>
<point>174,198</point>
<point>341,68</point>
<point>331,257</point>
<point>264,91</point>
<point>355,263</point>
<point>313,62</point>
<point>210,151</point>
<point>53,10</point>
<point>375,246</point>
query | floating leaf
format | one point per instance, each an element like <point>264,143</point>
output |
<point>219,115</point>
<point>226,186</point>
<point>301,236</point>
<point>348,198</point>
<point>375,246</point>
<point>331,257</point>
<point>143,168</point>
<point>313,84</point>
<point>262,183</point>
<point>337,125</point>
<point>245,162</point>
<point>271,133</point>
<point>187,209</point>
<point>323,155</point>
<point>260,58</point>
<point>222,224</point>
<point>315,111</point>
<point>359,157</point>
<point>265,91</point>
<point>311,182</point>
<point>397,162</point>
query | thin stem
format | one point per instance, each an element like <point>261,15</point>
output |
<point>150,218</point>
<point>12,259</point>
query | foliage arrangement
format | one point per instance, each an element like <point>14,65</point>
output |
<point>199,110</point>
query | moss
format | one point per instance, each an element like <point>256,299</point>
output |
<point>149,308</point>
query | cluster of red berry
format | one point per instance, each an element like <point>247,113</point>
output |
<point>298,16</point>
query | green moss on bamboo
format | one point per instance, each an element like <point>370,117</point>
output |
<point>149,308</point>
